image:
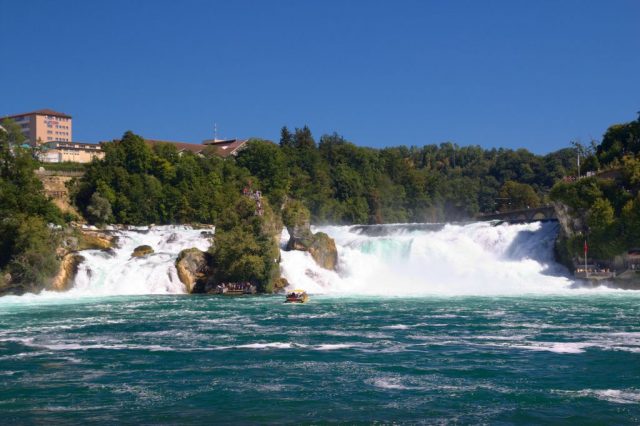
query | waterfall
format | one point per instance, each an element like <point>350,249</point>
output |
<point>414,259</point>
<point>116,272</point>
<point>468,259</point>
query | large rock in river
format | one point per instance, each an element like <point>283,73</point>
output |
<point>142,251</point>
<point>321,247</point>
<point>193,267</point>
<point>67,272</point>
<point>323,250</point>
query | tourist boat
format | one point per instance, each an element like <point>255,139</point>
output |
<point>297,296</point>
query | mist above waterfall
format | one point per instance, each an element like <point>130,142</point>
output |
<point>448,259</point>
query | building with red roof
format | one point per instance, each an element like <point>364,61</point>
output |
<point>44,125</point>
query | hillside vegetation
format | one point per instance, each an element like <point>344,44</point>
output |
<point>27,243</point>
<point>607,204</point>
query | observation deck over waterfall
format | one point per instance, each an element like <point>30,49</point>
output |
<point>538,214</point>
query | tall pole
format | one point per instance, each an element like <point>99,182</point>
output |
<point>586,249</point>
<point>578,164</point>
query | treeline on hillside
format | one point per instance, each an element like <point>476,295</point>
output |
<point>27,243</point>
<point>608,205</point>
<point>344,183</point>
<point>338,181</point>
<point>137,185</point>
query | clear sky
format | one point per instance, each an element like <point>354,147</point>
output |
<point>513,73</point>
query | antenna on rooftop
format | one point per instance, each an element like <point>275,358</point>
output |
<point>215,131</point>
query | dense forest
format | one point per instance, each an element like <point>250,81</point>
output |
<point>344,183</point>
<point>338,181</point>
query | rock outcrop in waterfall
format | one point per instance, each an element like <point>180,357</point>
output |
<point>74,240</point>
<point>320,246</point>
<point>193,270</point>
<point>142,251</point>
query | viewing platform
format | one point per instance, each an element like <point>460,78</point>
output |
<point>235,289</point>
<point>594,274</point>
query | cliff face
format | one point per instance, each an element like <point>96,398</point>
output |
<point>55,185</point>
<point>570,223</point>
<point>570,226</point>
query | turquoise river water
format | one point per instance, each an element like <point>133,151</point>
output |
<point>208,359</point>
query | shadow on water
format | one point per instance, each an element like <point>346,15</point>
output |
<point>538,245</point>
<point>395,228</point>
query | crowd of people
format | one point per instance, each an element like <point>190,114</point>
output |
<point>257,197</point>
<point>236,288</point>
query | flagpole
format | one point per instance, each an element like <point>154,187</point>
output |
<point>586,273</point>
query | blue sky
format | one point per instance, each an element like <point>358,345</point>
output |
<point>531,74</point>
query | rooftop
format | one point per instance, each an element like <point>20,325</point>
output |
<point>180,146</point>
<point>45,111</point>
<point>225,147</point>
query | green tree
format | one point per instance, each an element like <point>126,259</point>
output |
<point>34,261</point>
<point>286,138</point>
<point>99,209</point>
<point>266,161</point>
<point>515,195</point>
<point>12,132</point>
<point>601,214</point>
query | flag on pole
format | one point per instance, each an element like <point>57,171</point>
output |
<point>586,248</point>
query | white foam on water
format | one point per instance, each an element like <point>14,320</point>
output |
<point>388,383</point>
<point>274,345</point>
<point>62,346</point>
<point>618,396</point>
<point>334,346</point>
<point>117,273</point>
<point>557,347</point>
<point>396,327</point>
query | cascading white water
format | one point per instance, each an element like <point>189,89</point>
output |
<point>474,259</point>
<point>118,273</point>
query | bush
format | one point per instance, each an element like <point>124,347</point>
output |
<point>33,246</point>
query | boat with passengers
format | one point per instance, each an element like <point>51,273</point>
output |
<point>297,296</point>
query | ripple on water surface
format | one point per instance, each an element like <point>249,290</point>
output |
<point>254,359</point>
